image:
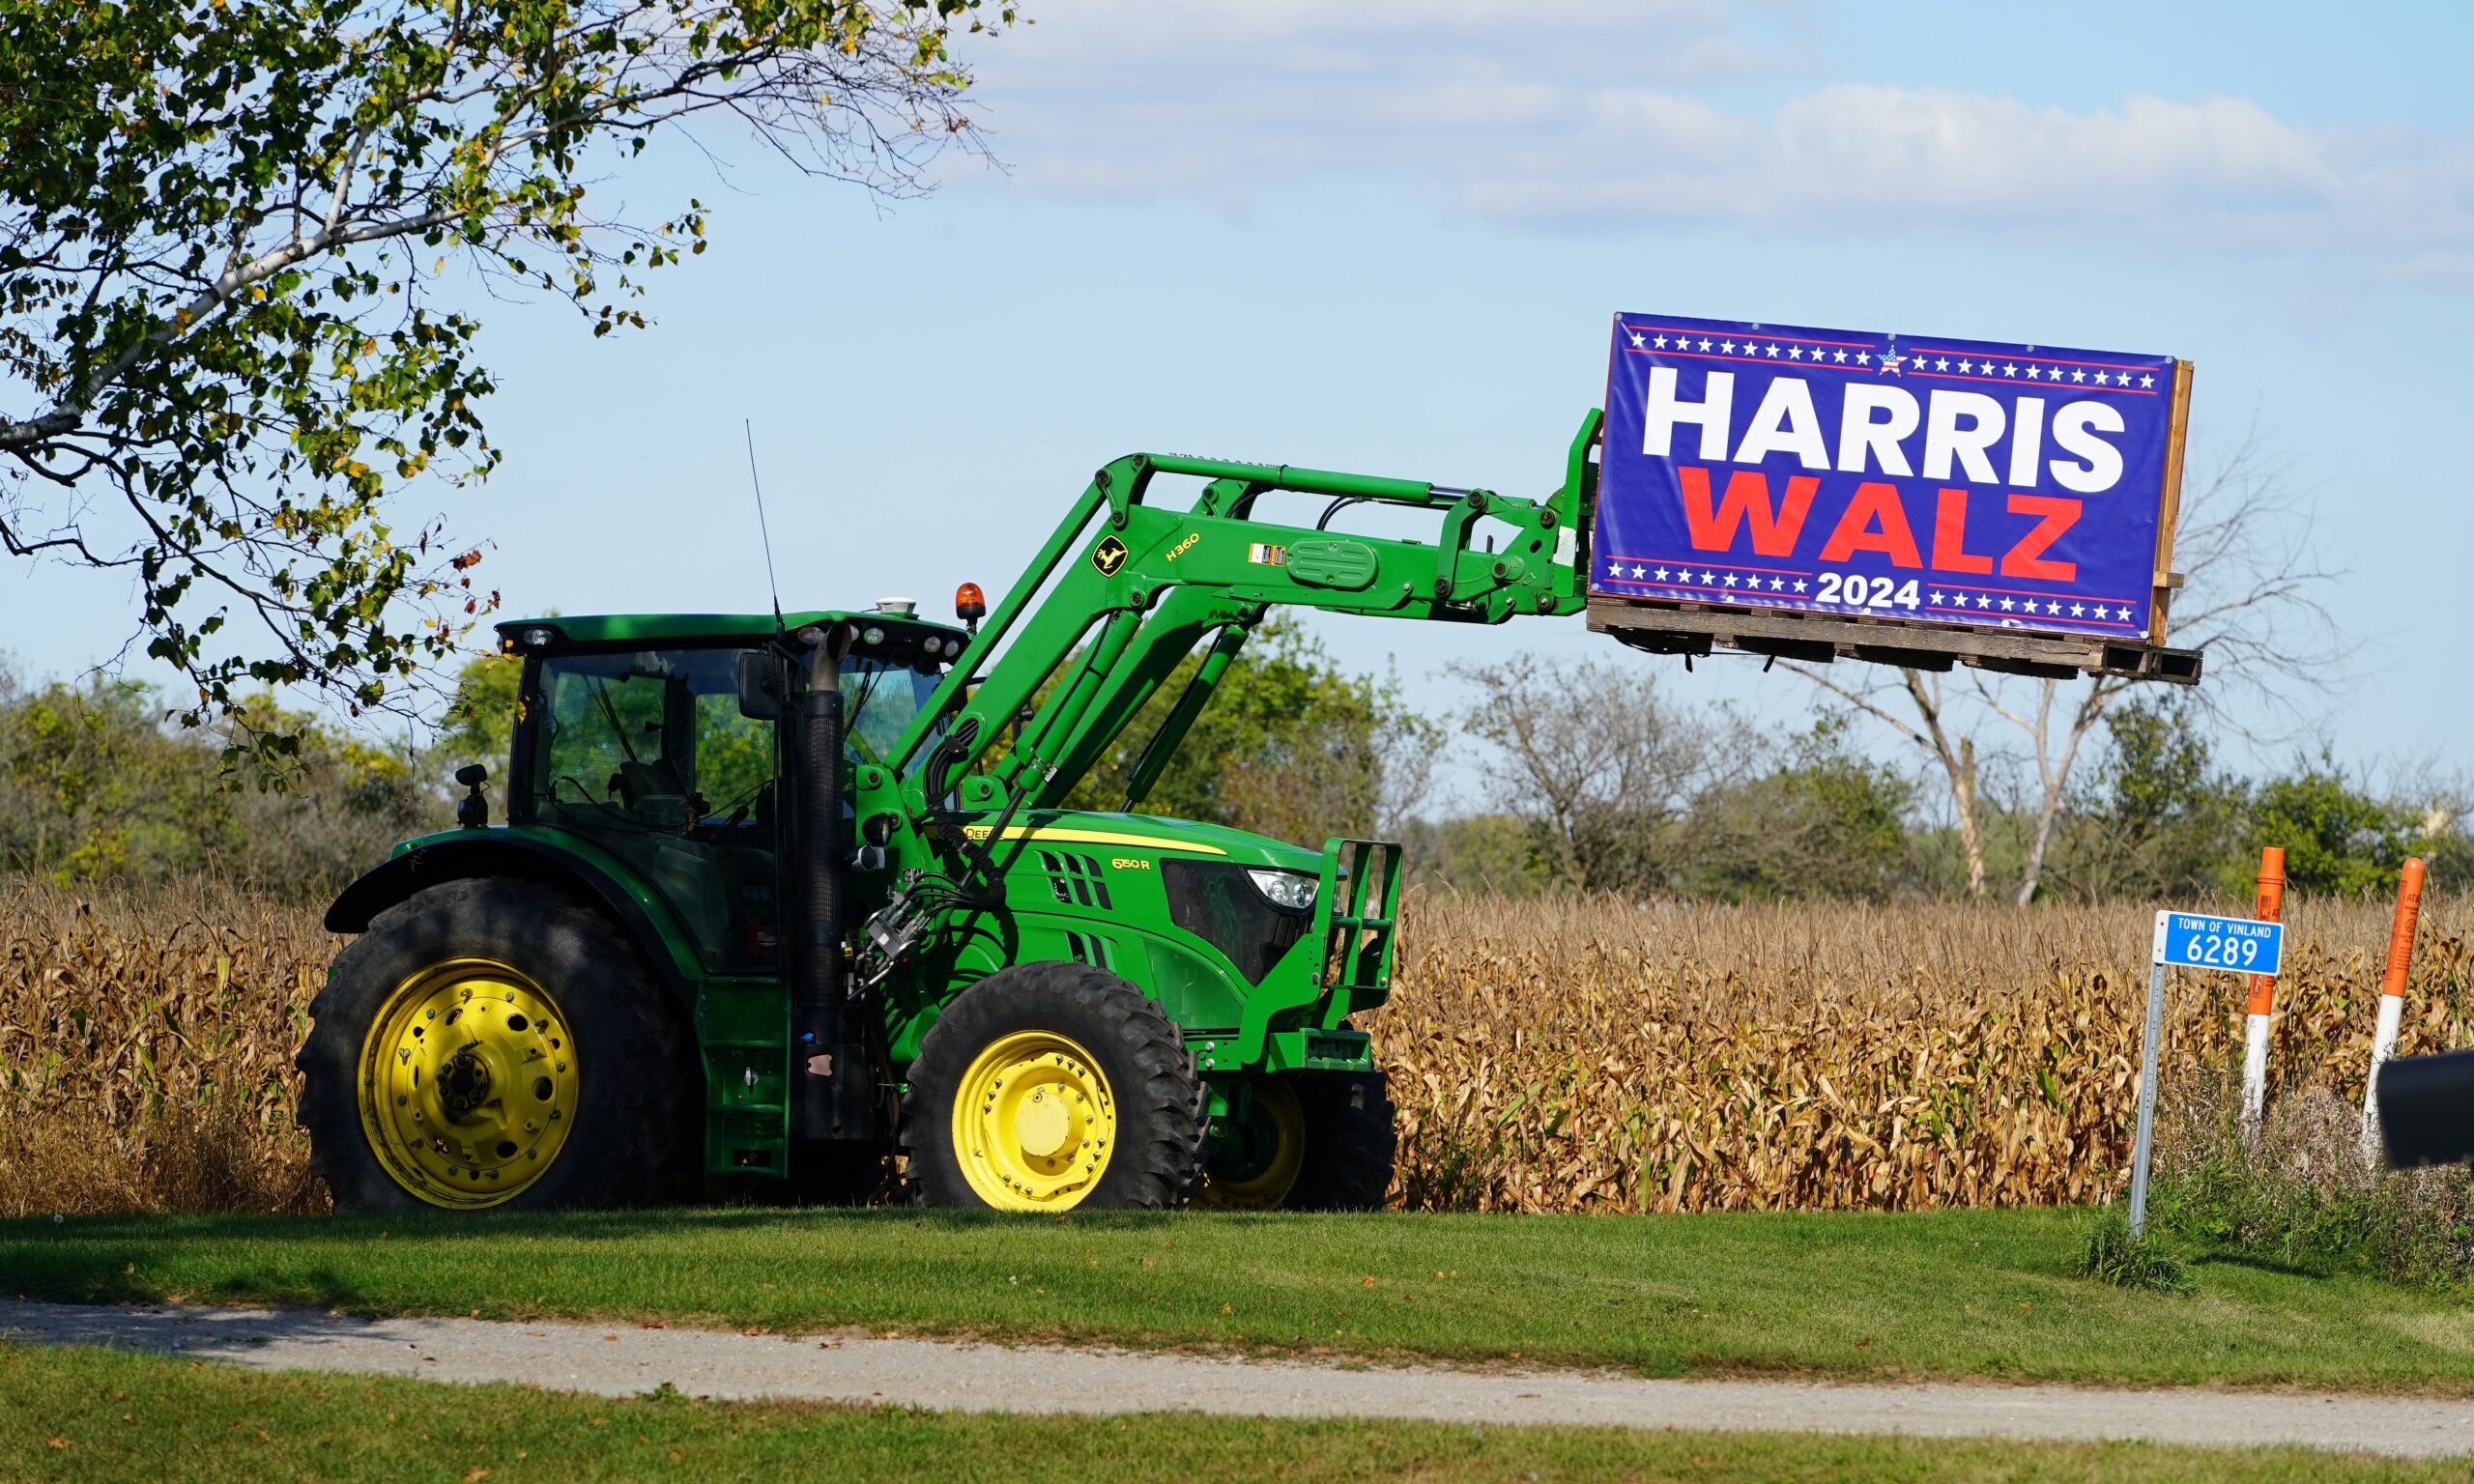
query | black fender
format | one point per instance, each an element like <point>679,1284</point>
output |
<point>497,853</point>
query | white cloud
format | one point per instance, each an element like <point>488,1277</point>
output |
<point>1599,112</point>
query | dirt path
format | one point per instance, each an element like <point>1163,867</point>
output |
<point>620,1361</point>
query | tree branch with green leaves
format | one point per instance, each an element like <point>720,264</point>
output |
<point>224,354</point>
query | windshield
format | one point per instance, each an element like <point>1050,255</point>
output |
<point>657,733</point>
<point>879,700</point>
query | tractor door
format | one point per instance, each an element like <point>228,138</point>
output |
<point>651,755</point>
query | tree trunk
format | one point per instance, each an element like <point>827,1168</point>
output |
<point>2045,817</point>
<point>1963,799</point>
<point>2055,775</point>
<point>1958,760</point>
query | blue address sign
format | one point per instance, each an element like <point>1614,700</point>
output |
<point>2195,940</point>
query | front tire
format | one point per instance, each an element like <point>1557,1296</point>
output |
<point>494,1044</point>
<point>1306,1141</point>
<point>1050,1086</point>
<point>1351,1142</point>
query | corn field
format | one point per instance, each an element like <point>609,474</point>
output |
<point>147,1044</point>
<point>1558,1055</point>
<point>1594,1055</point>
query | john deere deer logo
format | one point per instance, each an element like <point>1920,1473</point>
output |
<point>1109,556</point>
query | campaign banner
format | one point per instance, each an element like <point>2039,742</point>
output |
<point>1917,478</point>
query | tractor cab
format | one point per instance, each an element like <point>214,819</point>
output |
<point>660,739</point>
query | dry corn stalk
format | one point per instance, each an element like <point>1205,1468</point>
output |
<point>147,1044</point>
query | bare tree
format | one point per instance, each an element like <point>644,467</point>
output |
<point>1407,746</point>
<point>1917,709</point>
<point>1598,761</point>
<point>2250,602</point>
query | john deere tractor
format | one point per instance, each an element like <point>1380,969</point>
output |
<point>779,898</point>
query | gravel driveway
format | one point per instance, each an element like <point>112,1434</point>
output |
<point>620,1361</point>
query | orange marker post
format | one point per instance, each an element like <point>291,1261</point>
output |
<point>2264,990</point>
<point>2392,994</point>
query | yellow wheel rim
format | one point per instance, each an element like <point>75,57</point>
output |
<point>468,1083</point>
<point>1255,1167</point>
<point>1034,1123</point>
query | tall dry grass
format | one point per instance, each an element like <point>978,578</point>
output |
<point>1546,1055</point>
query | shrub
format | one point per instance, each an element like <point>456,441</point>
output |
<point>2304,1197</point>
<point>2114,1256</point>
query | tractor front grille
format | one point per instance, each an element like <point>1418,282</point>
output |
<point>1217,902</point>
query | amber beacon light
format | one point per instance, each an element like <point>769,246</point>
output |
<point>970,605</point>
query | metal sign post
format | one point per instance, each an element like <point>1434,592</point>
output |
<point>2197,941</point>
<point>2148,1082</point>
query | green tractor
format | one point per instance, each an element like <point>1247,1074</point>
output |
<point>780,899</point>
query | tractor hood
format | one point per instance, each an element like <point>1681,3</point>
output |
<point>1157,834</point>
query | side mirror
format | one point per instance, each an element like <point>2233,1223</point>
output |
<point>760,686</point>
<point>473,810</point>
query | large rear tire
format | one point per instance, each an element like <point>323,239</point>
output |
<point>494,1043</point>
<point>1050,1086</point>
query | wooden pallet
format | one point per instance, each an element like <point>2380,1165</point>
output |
<point>1690,629</point>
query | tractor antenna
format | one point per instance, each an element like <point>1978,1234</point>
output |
<point>762,529</point>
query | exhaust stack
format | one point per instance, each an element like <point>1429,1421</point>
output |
<point>834,1073</point>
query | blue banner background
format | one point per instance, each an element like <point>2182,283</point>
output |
<point>1917,478</point>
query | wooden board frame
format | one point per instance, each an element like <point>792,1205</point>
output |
<point>2169,510</point>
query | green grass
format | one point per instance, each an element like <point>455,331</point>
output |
<point>1961,1294</point>
<point>97,1415</point>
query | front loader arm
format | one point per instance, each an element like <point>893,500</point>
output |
<point>1130,588</point>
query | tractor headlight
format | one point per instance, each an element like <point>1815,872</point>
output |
<point>871,636</point>
<point>1288,889</point>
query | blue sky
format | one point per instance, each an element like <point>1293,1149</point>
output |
<point>1386,237</point>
